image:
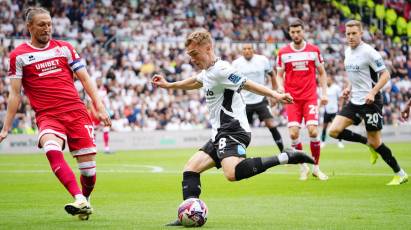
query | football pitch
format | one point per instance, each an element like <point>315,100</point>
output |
<point>142,190</point>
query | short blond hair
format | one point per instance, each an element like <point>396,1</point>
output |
<point>198,37</point>
<point>352,23</point>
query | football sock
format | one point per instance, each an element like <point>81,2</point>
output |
<point>296,144</point>
<point>191,185</point>
<point>323,135</point>
<point>315,149</point>
<point>253,166</point>
<point>277,138</point>
<point>387,156</point>
<point>88,176</point>
<point>348,135</point>
<point>60,167</point>
<point>401,173</point>
<point>106,139</point>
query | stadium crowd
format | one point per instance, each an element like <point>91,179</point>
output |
<point>124,43</point>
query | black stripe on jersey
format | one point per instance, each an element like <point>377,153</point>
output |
<point>375,77</point>
<point>227,102</point>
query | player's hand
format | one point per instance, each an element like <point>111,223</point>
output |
<point>285,98</point>
<point>273,101</point>
<point>3,135</point>
<point>324,100</point>
<point>405,114</point>
<point>369,99</point>
<point>159,81</point>
<point>346,93</point>
<point>102,115</point>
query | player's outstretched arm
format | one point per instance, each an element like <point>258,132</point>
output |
<point>91,90</point>
<point>322,79</point>
<point>12,106</point>
<point>264,91</point>
<point>280,80</point>
<point>187,84</point>
<point>384,78</point>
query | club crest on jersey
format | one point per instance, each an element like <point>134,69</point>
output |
<point>58,52</point>
<point>234,78</point>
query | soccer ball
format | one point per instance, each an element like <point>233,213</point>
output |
<point>192,213</point>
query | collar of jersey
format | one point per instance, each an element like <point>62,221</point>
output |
<point>292,47</point>
<point>47,46</point>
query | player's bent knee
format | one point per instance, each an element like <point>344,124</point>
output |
<point>334,132</point>
<point>87,168</point>
<point>230,176</point>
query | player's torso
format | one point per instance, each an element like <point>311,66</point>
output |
<point>333,93</point>
<point>300,71</point>
<point>46,76</point>
<point>254,69</point>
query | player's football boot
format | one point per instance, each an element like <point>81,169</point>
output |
<point>304,171</point>
<point>320,175</point>
<point>397,180</point>
<point>340,145</point>
<point>373,155</point>
<point>174,223</point>
<point>298,157</point>
<point>82,208</point>
<point>322,145</point>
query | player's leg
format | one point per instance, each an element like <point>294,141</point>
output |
<point>349,115</point>
<point>375,142</point>
<point>106,139</point>
<point>324,133</point>
<point>265,114</point>
<point>294,117</point>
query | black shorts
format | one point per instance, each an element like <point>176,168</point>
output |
<point>372,115</point>
<point>228,143</point>
<point>262,109</point>
<point>328,117</point>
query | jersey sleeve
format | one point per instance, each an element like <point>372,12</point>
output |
<point>15,67</point>
<point>279,62</point>
<point>268,68</point>
<point>73,58</point>
<point>200,76</point>
<point>319,58</point>
<point>375,61</point>
<point>230,78</point>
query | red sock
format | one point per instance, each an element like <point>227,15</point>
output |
<point>105,138</point>
<point>87,184</point>
<point>63,171</point>
<point>315,150</point>
<point>297,146</point>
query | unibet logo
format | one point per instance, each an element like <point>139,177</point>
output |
<point>209,93</point>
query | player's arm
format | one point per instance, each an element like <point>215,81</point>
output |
<point>405,114</point>
<point>264,91</point>
<point>12,106</point>
<point>384,78</point>
<point>186,84</point>
<point>91,90</point>
<point>322,79</point>
<point>280,79</point>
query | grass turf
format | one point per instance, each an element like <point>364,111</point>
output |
<point>142,189</point>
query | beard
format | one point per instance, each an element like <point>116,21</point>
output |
<point>298,42</point>
<point>43,39</point>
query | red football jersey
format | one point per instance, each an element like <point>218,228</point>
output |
<point>300,70</point>
<point>47,76</point>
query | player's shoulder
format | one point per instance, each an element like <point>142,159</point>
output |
<point>311,47</point>
<point>60,43</point>
<point>260,57</point>
<point>286,49</point>
<point>20,49</point>
<point>238,60</point>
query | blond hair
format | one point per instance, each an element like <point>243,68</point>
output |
<point>198,37</point>
<point>352,23</point>
<point>30,12</point>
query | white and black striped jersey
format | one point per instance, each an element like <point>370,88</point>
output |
<point>222,85</point>
<point>254,69</point>
<point>363,65</point>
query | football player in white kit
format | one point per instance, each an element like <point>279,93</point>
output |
<point>367,75</point>
<point>230,129</point>
<point>331,109</point>
<point>256,68</point>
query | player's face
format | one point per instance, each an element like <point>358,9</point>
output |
<point>296,34</point>
<point>40,28</point>
<point>248,51</point>
<point>200,54</point>
<point>353,35</point>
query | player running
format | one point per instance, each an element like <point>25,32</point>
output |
<point>45,67</point>
<point>367,74</point>
<point>296,74</point>
<point>256,68</point>
<point>231,133</point>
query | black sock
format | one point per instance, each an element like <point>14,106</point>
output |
<point>323,134</point>
<point>191,185</point>
<point>348,135</point>
<point>253,166</point>
<point>277,138</point>
<point>386,154</point>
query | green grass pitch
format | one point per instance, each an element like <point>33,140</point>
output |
<point>142,189</point>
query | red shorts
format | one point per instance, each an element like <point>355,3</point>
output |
<point>307,109</point>
<point>74,127</point>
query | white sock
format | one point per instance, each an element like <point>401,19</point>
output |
<point>283,158</point>
<point>80,197</point>
<point>401,173</point>
<point>316,168</point>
